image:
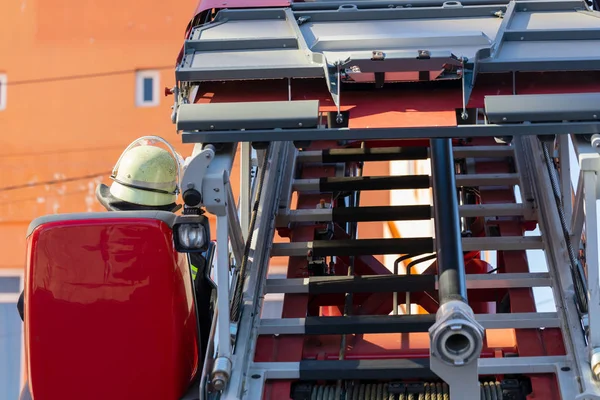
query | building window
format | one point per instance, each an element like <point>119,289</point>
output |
<point>3,87</point>
<point>146,88</point>
<point>11,335</point>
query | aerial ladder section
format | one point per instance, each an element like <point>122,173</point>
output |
<point>316,89</point>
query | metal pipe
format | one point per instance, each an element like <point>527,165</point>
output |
<point>456,338</point>
<point>451,267</point>
<point>409,268</point>
<point>396,264</point>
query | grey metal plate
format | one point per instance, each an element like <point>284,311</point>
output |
<point>460,36</point>
<point>543,108</point>
<point>547,20</point>
<point>494,130</point>
<point>276,28</point>
<point>546,52</point>
<point>273,115</point>
<point>486,34</point>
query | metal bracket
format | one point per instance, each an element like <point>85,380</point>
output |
<point>334,82</point>
<point>206,182</point>
<point>456,343</point>
<point>195,169</point>
<point>468,82</point>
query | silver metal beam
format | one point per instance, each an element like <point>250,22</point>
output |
<point>474,281</point>
<point>561,366</point>
<point>236,235</point>
<point>468,210</point>
<point>257,266</point>
<point>506,243</point>
<point>486,366</point>
<point>559,128</point>
<point>297,326</point>
<point>316,156</point>
<point>558,365</point>
<point>309,185</point>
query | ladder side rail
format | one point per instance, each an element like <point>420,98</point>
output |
<point>565,175</point>
<point>558,261</point>
<point>586,207</point>
<point>253,285</point>
<point>584,235</point>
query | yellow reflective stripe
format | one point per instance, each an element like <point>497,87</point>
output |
<point>194,270</point>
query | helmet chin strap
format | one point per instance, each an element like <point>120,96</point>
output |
<point>111,203</point>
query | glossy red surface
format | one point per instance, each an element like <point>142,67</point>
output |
<point>109,312</point>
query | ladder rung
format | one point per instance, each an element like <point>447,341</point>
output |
<point>365,324</point>
<point>397,153</point>
<point>395,213</point>
<point>401,182</point>
<point>401,283</point>
<point>406,368</point>
<point>483,151</point>
<point>363,154</point>
<point>360,247</point>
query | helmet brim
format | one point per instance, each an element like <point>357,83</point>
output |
<point>111,203</point>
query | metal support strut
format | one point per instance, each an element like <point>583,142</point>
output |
<point>456,338</point>
<point>206,183</point>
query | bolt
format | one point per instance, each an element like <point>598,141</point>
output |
<point>503,118</point>
<point>207,155</point>
<point>190,185</point>
<point>216,190</point>
<point>300,124</point>
<point>219,381</point>
<point>212,127</point>
<point>217,200</point>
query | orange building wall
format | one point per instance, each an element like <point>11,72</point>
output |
<point>71,100</point>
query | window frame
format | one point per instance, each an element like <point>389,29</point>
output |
<point>13,298</point>
<point>140,76</point>
<point>3,91</point>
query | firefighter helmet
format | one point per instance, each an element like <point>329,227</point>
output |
<point>145,177</point>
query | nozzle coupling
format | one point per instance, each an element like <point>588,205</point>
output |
<point>456,337</point>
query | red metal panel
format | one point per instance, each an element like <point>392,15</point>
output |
<point>109,311</point>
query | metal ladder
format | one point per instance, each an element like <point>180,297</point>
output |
<point>272,350</point>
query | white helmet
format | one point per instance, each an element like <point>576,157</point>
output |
<point>145,175</point>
